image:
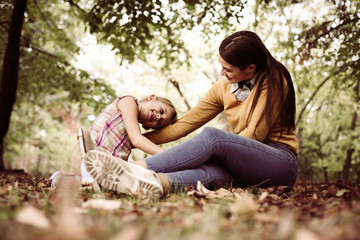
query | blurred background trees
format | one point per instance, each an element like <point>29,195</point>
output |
<point>51,92</point>
<point>76,56</point>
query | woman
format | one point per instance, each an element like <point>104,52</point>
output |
<point>258,97</point>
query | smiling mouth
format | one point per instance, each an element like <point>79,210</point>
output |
<point>152,116</point>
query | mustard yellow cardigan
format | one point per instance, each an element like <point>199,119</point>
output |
<point>219,99</point>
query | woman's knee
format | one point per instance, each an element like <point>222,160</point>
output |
<point>208,135</point>
<point>216,135</point>
<point>210,131</point>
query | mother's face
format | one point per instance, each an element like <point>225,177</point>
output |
<point>235,74</point>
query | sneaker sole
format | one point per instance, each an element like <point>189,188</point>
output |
<point>113,174</point>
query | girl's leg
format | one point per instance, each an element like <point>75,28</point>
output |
<point>248,161</point>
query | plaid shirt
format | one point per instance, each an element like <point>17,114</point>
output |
<point>108,131</point>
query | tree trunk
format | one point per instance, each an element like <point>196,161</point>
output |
<point>350,151</point>
<point>347,165</point>
<point>326,175</point>
<point>9,78</point>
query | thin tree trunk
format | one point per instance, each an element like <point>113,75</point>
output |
<point>350,151</point>
<point>9,78</point>
<point>326,175</point>
<point>347,165</point>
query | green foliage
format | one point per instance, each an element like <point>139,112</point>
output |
<point>48,48</point>
<point>328,52</point>
<point>48,147</point>
<point>137,29</point>
<point>50,42</point>
<point>50,88</point>
<point>327,135</point>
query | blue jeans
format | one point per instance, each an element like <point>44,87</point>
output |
<point>221,159</point>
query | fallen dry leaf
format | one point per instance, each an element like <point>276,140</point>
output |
<point>263,196</point>
<point>129,233</point>
<point>305,234</point>
<point>102,204</point>
<point>202,191</point>
<point>267,218</point>
<point>32,216</point>
<point>221,193</point>
<point>341,192</point>
<point>242,205</point>
<point>286,225</point>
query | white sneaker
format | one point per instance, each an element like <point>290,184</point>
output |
<point>59,179</point>
<point>54,179</point>
<point>121,176</point>
<point>85,145</point>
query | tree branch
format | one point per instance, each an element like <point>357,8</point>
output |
<point>176,85</point>
<point>72,3</point>
<point>41,51</point>
<point>314,93</point>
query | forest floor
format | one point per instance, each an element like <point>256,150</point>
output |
<point>31,210</point>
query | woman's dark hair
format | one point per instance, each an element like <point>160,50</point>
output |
<point>244,48</point>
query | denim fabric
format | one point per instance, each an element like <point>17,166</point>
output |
<point>222,159</point>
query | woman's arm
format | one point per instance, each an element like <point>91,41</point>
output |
<point>129,110</point>
<point>208,108</point>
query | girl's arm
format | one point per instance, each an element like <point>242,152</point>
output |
<point>129,110</point>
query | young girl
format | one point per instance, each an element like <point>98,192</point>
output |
<point>258,98</point>
<point>116,130</point>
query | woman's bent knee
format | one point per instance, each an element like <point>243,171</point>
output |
<point>210,131</point>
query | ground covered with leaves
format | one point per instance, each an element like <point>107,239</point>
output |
<point>31,210</point>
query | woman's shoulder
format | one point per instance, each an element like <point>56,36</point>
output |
<point>223,84</point>
<point>220,88</point>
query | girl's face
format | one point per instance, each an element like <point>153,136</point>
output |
<point>153,113</point>
<point>235,74</point>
